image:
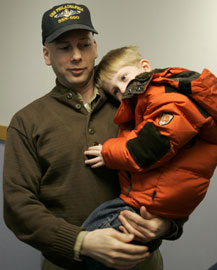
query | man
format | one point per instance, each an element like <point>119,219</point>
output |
<point>48,190</point>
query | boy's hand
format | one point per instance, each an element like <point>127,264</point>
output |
<point>97,159</point>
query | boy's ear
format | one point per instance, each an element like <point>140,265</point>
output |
<point>145,65</point>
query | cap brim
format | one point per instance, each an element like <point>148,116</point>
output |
<point>67,28</point>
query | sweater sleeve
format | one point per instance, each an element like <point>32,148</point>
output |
<point>168,124</point>
<point>24,213</point>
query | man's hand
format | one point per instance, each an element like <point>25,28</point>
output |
<point>146,227</point>
<point>113,248</point>
<point>97,160</point>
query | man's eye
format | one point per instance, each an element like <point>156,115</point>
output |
<point>64,48</point>
<point>85,45</point>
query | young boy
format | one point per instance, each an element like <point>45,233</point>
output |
<point>166,150</point>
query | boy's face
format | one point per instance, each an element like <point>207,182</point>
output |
<point>117,86</point>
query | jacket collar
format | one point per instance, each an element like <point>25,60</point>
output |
<point>140,83</point>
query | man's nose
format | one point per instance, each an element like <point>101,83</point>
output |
<point>75,55</point>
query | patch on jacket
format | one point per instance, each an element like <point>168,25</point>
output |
<point>149,147</point>
<point>166,118</point>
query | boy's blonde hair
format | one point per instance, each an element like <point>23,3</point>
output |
<point>113,61</point>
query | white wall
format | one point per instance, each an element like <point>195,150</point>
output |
<point>197,248</point>
<point>169,33</point>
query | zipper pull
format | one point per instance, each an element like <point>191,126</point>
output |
<point>154,194</point>
<point>128,190</point>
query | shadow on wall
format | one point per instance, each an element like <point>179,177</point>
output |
<point>214,267</point>
<point>24,256</point>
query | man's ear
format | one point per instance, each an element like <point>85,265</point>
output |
<point>46,55</point>
<point>145,65</point>
<point>95,48</point>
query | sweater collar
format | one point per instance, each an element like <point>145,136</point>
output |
<point>72,98</point>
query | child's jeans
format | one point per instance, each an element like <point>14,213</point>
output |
<point>105,216</point>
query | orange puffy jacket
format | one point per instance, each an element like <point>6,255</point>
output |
<point>166,151</point>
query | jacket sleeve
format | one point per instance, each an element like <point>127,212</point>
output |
<point>24,214</point>
<point>168,124</point>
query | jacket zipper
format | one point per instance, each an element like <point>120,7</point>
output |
<point>128,190</point>
<point>130,186</point>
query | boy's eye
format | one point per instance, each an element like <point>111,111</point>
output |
<point>115,91</point>
<point>123,78</point>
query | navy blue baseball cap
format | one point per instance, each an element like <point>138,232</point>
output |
<point>63,18</point>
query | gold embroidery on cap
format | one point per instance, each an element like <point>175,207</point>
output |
<point>63,11</point>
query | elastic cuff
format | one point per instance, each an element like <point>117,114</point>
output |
<point>78,244</point>
<point>176,229</point>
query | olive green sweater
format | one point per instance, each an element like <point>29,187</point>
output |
<point>48,190</point>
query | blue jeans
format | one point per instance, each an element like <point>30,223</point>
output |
<point>105,216</point>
